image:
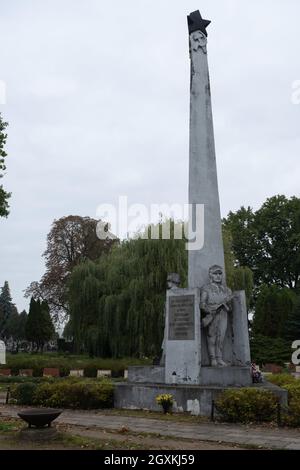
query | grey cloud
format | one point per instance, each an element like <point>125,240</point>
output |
<point>98,106</point>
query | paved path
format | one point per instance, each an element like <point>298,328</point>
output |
<point>270,438</point>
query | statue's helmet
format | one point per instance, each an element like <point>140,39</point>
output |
<point>215,268</point>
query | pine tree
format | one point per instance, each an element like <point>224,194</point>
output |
<point>32,324</point>
<point>47,327</point>
<point>6,308</point>
<point>39,327</point>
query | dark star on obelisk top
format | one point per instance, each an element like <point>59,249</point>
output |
<point>196,22</point>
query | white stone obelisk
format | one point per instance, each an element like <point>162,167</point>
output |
<point>203,183</point>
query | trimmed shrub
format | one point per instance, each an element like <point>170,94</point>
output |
<point>281,379</point>
<point>292,415</point>
<point>293,390</point>
<point>72,394</point>
<point>247,405</point>
<point>24,393</point>
<point>42,393</point>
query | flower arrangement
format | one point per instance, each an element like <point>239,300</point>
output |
<point>165,400</point>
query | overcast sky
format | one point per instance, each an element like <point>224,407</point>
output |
<point>98,106</point>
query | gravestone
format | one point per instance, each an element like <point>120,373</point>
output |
<point>76,373</point>
<point>296,374</point>
<point>103,373</point>
<point>26,372</point>
<point>51,372</point>
<point>273,368</point>
<point>2,353</point>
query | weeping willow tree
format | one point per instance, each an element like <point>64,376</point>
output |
<point>117,303</point>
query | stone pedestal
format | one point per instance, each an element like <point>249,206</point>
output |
<point>226,376</point>
<point>38,434</point>
<point>146,374</point>
<point>196,399</point>
<point>236,376</point>
<point>186,358</point>
<point>182,337</point>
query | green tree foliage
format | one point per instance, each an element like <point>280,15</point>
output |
<point>39,327</point>
<point>68,331</point>
<point>15,328</point>
<point>292,330</point>
<point>273,307</point>
<point>237,277</point>
<point>268,241</point>
<point>12,324</point>
<point>117,304</point>
<point>4,196</point>
<point>70,241</point>
<point>7,308</point>
<point>266,350</point>
<point>32,321</point>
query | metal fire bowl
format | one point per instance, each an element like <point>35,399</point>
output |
<point>39,417</point>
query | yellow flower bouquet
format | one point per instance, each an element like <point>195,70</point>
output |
<point>166,401</point>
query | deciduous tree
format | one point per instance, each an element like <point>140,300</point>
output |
<point>268,241</point>
<point>4,196</point>
<point>70,241</point>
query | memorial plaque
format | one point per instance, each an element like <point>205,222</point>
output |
<point>182,317</point>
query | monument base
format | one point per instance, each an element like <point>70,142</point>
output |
<point>146,374</point>
<point>236,376</point>
<point>239,376</point>
<point>195,399</point>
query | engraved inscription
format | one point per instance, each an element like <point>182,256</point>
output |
<point>181,317</point>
